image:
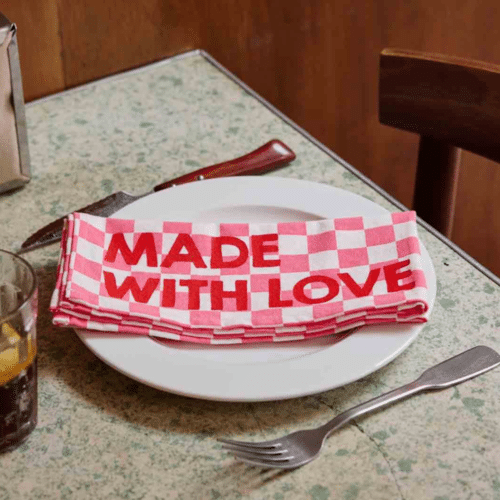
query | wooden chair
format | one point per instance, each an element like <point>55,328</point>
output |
<point>451,103</point>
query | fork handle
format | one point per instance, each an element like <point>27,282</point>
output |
<point>373,404</point>
<point>455,370</point>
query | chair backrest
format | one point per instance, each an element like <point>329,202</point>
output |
<point>451,103</point>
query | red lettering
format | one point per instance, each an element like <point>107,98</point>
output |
<point>193,292</point>
<point>130,283</point>
<point>393,276</point>
<point>298,289</point>
<point>168,293</point>
<point>240,294</point>
<point>216,261</point>
<point>193,255</point>
<point>275,294</point>
<point>259,249</point>
<point>145,244</point>
<point>357,290</point>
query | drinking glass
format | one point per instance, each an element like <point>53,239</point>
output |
<point>18,360</point>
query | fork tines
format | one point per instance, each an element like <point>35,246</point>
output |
<point>261,454</point>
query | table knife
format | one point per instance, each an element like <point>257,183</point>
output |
<point>270,156</point>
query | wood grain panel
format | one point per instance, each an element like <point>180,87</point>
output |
<point>112,36</point>
<point>39,45</point>
<point>477,216</point>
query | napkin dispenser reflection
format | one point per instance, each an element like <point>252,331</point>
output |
<point>14,154</point>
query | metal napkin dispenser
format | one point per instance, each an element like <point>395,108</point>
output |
<point>14,154</point>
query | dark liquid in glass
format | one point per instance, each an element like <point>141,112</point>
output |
<point>18,407</point>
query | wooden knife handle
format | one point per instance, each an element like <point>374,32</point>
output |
<point>270,156</point>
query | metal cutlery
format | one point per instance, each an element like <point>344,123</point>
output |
<point>301,447</point>
<point>272,155</point>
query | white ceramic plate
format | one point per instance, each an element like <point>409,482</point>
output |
<point>254,372</point>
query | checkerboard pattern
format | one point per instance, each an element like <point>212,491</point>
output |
<point>239,282</point>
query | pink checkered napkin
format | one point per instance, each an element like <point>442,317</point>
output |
<point>239,282</point>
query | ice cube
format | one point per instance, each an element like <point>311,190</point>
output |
<point>11,297</point>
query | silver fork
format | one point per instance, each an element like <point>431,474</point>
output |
<point>301,447</point>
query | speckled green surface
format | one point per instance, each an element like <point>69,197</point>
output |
<point>101,435</point>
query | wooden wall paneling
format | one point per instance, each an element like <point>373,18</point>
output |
<point>374,151</point>
<point>242,37</point>
<point>107,37</point>
<point>39,45</point>
<point>477,217</point>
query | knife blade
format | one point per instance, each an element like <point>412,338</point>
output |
<point>270,156</point>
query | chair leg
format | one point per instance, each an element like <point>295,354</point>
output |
<point>436,183</point>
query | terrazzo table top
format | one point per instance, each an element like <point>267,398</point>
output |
<point>102,435</point>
